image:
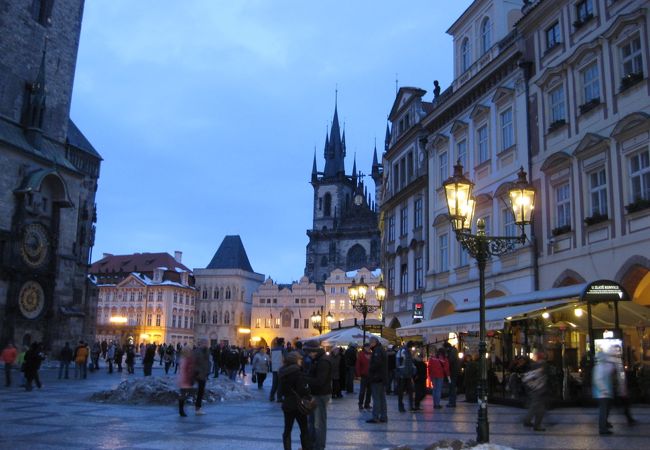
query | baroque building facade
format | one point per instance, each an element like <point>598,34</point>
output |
<point>226,287</point>
<point>345,231</point>
<point>144,298</point>
<point>48,180</point>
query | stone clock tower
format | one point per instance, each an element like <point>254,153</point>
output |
<point>47,182</point>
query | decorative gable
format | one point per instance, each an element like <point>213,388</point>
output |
<point>458,127</point>
<point>502,94</point>
<point>478,112</point>
<point>589,143</point>
<point>439,140</point>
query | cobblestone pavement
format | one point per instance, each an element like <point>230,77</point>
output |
<point>60,416</point>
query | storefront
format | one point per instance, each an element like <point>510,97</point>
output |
<point>562,322</point>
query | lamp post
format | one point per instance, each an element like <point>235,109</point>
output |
<point>357,294</point>
<point>460,203</point>
<point>321,321</point>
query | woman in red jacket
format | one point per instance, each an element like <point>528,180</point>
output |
<point>361,370</point>
<point>438,371</point>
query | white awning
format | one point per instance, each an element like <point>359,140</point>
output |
<point>566,293</point>
<point>468,321</point>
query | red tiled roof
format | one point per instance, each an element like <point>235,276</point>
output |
<point>137,262</point>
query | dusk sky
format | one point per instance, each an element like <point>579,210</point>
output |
<point>207,113</point>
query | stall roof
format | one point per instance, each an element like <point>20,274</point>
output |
<point>466,321</point>
<point>567,293</point>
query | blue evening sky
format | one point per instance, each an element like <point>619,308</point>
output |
<point>207,113</point>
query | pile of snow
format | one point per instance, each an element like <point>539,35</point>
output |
<point>164,391</point>
<point>457,445</point>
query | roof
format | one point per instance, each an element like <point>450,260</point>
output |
<point>77,139</point>
<point>136,262</point>
<point>231,255</point>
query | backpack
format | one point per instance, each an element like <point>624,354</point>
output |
<point>406,368</point>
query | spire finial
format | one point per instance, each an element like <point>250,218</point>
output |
<point>336,95</point>
<point>396,81</point>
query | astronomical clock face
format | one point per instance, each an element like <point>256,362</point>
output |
<point>31,300</point>
<point>34,247</point>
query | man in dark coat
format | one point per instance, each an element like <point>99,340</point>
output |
<point>320,382</point>
<point>149,356</point>
<point>454,370</point>
<point>378,374</point>
<point>350,364</point>
<point>292,386</point>
<point>216,360</point>
<point>201,366</point>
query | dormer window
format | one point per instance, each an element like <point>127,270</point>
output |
<point>158,275</point>
<point>486,35</point>
<point>465,57</point>
<point>184,278</point>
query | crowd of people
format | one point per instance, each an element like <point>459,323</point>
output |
<point>305,377</point>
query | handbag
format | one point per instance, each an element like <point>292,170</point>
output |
<point>306,405</point>
<point>254,378</point>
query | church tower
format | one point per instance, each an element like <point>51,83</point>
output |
<point>345,234</point>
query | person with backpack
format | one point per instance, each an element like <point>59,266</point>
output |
<point>405,370</point>
<point>293,387</point>
<point>438,371</point>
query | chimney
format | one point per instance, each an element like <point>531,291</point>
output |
<point>178,256</point>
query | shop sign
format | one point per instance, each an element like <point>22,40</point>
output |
<point>604,291</point>
<point>418,311</point>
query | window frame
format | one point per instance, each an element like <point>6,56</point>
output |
<point>507,128</point>
<point>554,38</point>
<point>556,100</point>
<point>486,35</point>
<point>598,203</point>
<point>417,213</point>
<point>562,206</point>
<point>483,143</point>
<point>465,55</point>
<point>443,252</point>
<point>642,173</point>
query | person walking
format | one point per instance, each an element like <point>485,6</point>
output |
<point>602,386</point>
<point>65,358</point>
<point>438,371</point>
<point>378,373</point>
<point>119,354</point>
<point>148,360</point>
<point>9,355</point>
<point>292,388</point>
<point>536,381</point>
<point>277,356</point>
<point>320,381</point>
<point>81,360</point>
<point>169,357</point>
<point>350,357</point>
<point>185,379</point>
<point>362,365</point>
<point>620,385</point>
<point>261,363</point>
<point>110,356</point>
<point>335,357</point>
<point>32,364</point>
<point>232,362</point>
<point>201,362</point>
<point>243,360</point>
<point>404,372</point>
<point>95,352</point>
<point>216,359</point>
<point>454,370</point>
<point>177,358</point>
<point>419,381</point>
<point>130,359</point>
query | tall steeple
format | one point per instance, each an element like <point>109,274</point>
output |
<point>387,139</point>
<point>314,168</point>
<point>354,170</point>
<point>335,154</point>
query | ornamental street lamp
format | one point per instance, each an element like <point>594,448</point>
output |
<point>357,294</point>
<point>460,204</point>
<point>321,321</point>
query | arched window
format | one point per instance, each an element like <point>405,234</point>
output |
<point>227,293</point>
<point>328,205</point>
<point>465,56</point>
<point>216,293</point>
<point>214,317</point>
<point>356,257</point>
<point>203,317</point>
<point>486,35</point>
<point>226,318</point>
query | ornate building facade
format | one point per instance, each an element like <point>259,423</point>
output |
<point>48,179</point>
<point>226,287</point>
<point>145,298</point>
<point>345,233</point>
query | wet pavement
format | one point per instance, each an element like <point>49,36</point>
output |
<point>59,416</point>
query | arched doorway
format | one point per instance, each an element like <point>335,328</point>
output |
<point>443,308</point>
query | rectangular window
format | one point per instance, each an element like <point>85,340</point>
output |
<point>443,167</point>
<point>158,320</point>
<point>417,218</point>
<point>461,152</point>
<point>404,279</point>
<point>341,304</point>
<point>509,226</point>
<point>553,35</point>
<point>175,297</point>
<point>258,322</point>
<point>332,304</point>
<point>403,221</point>
<point>483,149</point>
<point>584,10</point>
<point>598,192</point>
<point>563,205</point>
<point>640,176</point>
<point>187,322</point>
<point>556,104</point>
<point>419,273</point>
<point>462,256</point>
<point>402,174</point>
<point>590,83</point>
<point>443,252</point>
<point>409,169</point>
<point>173,321</point>
<point>262,301</point>
<point>297,302</point>
<point>396,178</point>
<point>391,279</point>
<point>277,322</point>
<point>507,132</point>
<point>391,228</point>
<point>267,322</point>
<point>132,296</point>
<point>305,323</point>
<point>333,290</point>
<point>631,57</point>
<point>296,323</point>
<point>149,317</point>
